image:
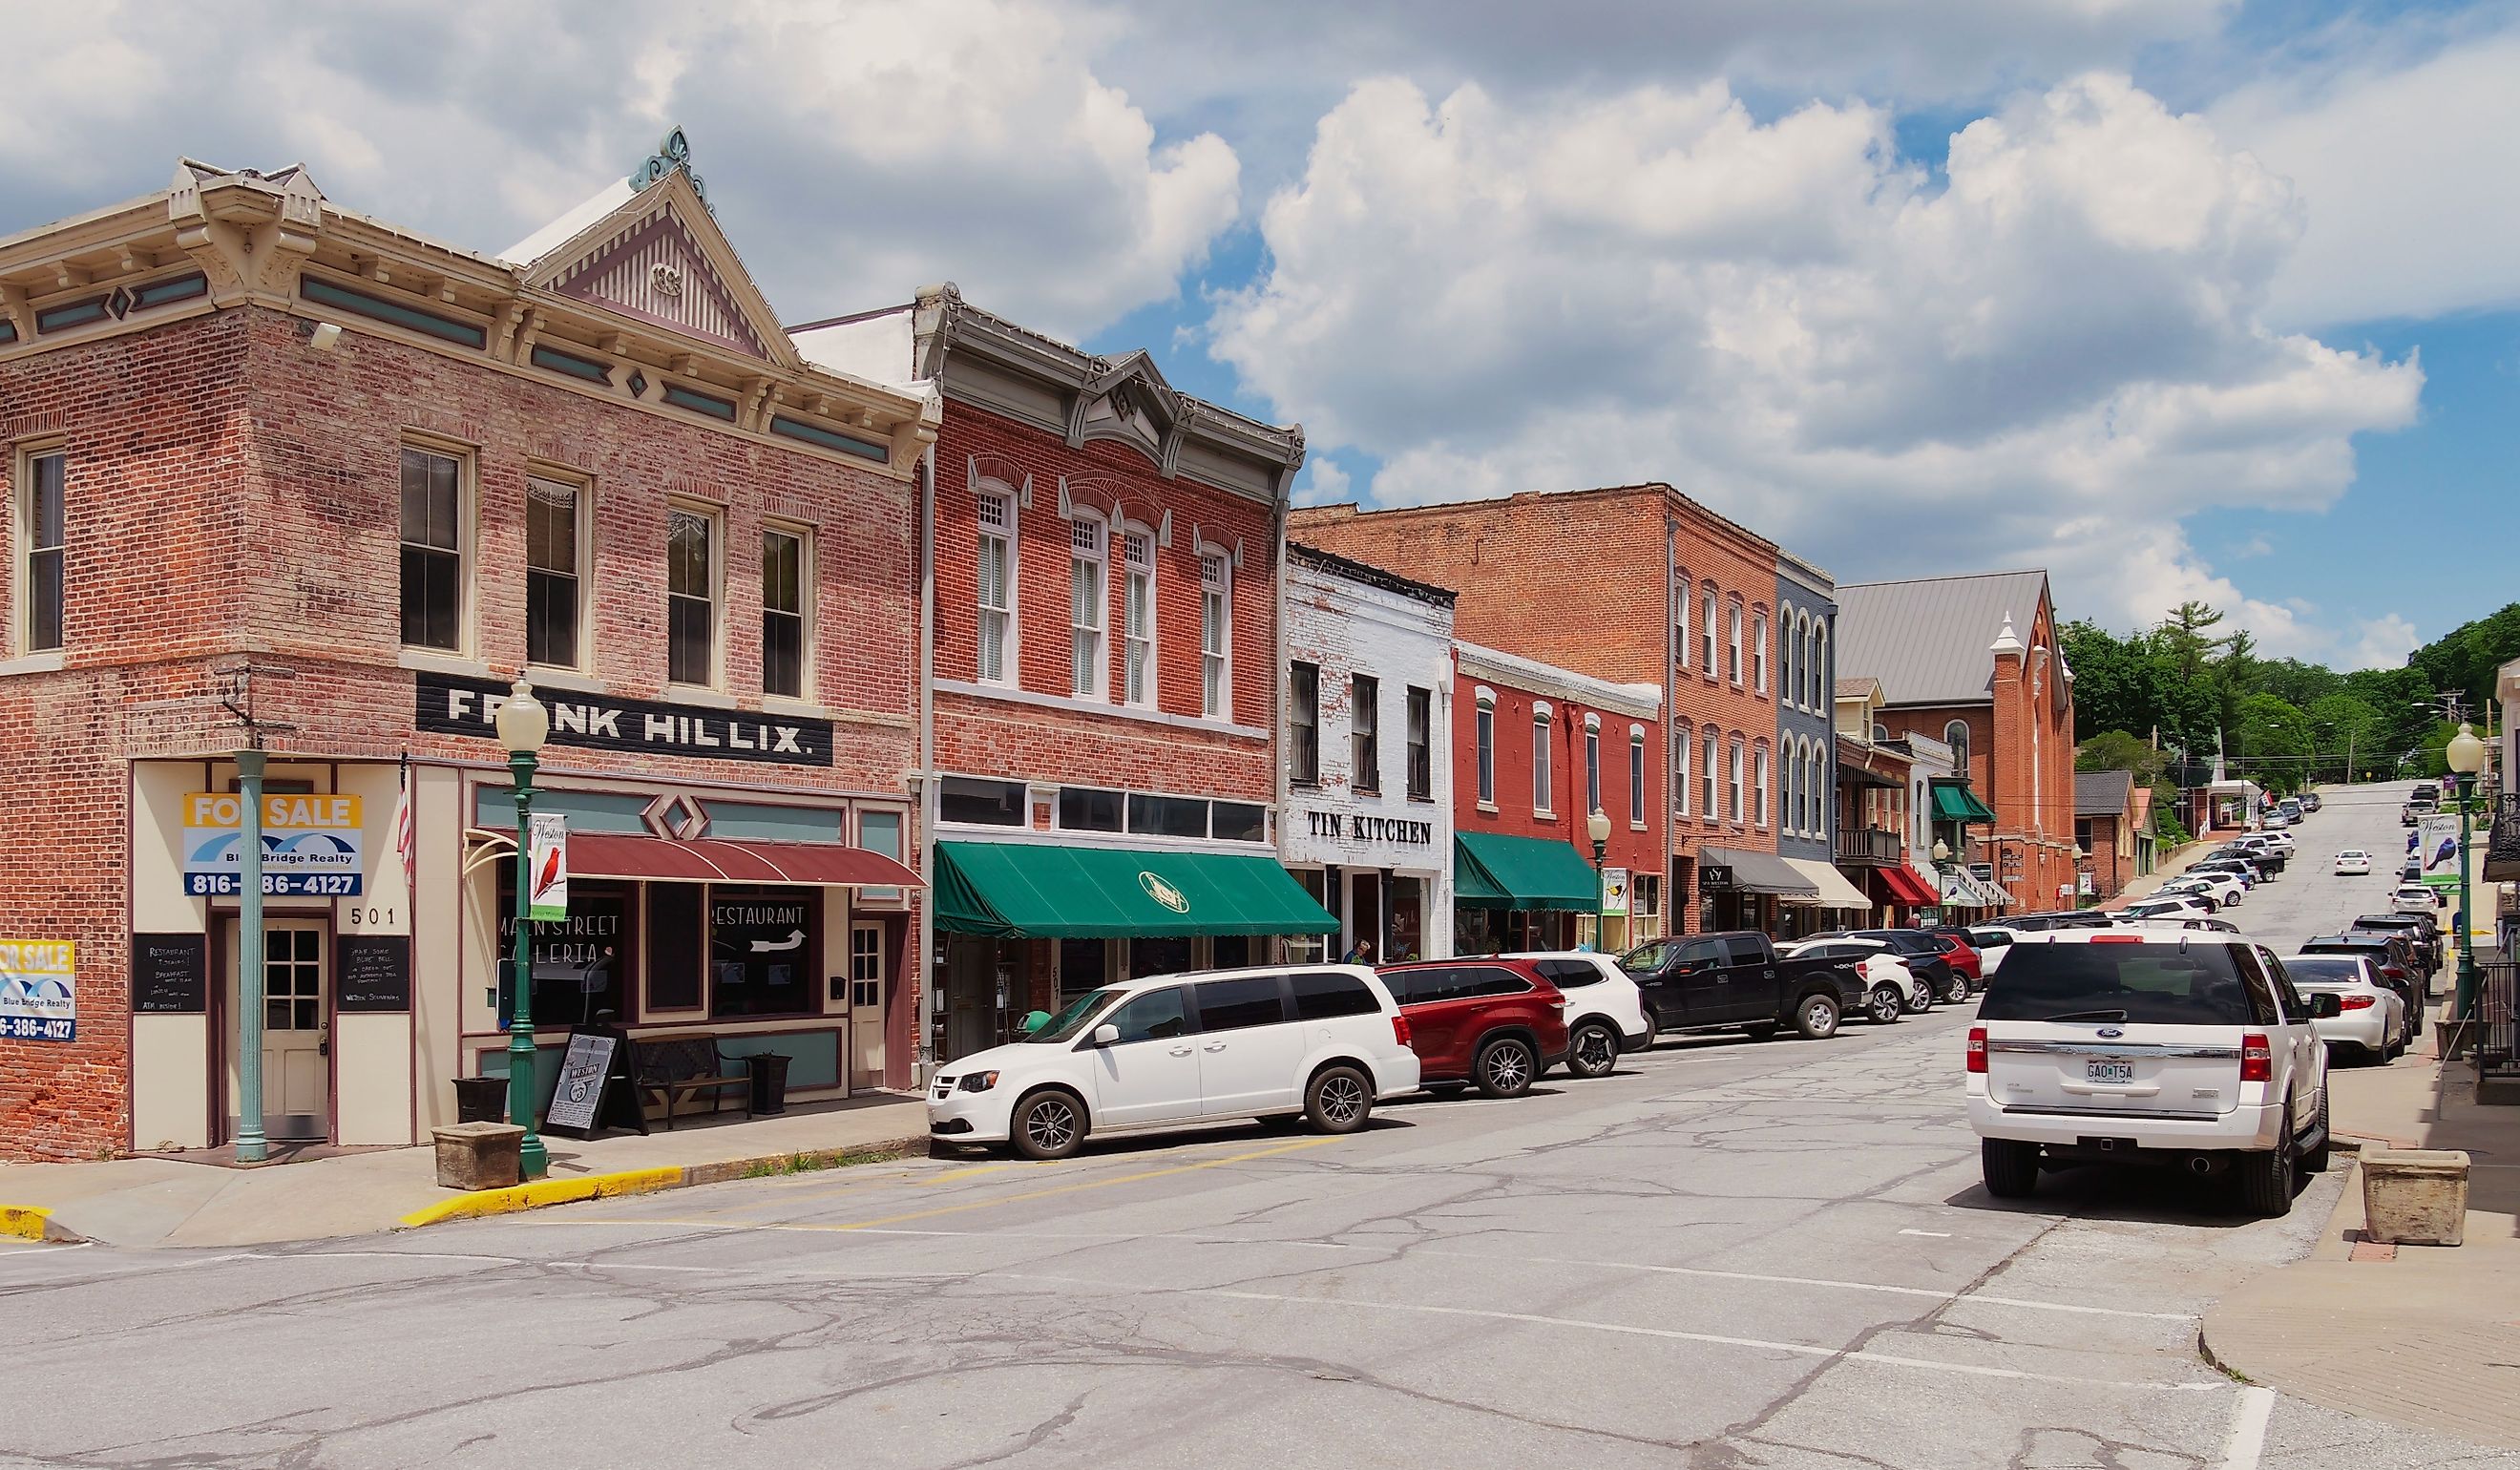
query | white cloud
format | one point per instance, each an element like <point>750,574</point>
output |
<point>2050,360</point>
<point>1321,483</point>
<point>854,153</point>
<point>2410,177</point>
<point>2382,642</point>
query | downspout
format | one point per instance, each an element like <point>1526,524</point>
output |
<point>930,982</point>
<point>1281,695</point>
<point>1679,910</point>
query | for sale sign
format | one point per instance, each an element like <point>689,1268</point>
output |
<point>310,844</point>
<point>38,990</point>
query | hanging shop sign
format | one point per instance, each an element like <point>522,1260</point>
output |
<point>547,859</point>
<point>1614,892</point>
<point>311,844</point>
<point>38,990</point>
<point>448,705</point>
<point>1715,877</point>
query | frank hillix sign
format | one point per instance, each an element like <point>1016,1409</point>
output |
<point>452,705</point>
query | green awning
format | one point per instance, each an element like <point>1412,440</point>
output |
<point>1039,891</point>
<point>1953,802</point>
<point>1492,871</point>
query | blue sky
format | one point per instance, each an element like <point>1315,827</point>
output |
<point>2175,297</point>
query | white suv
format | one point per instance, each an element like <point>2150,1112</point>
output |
<point>1606,1012</point>
<point>1321,1043</point>
<point>2148,1046</point>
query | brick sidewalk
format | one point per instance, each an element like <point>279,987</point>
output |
<point>2423,1336</point>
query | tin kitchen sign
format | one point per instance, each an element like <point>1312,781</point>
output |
<point>449,704</point>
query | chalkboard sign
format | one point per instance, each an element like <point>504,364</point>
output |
<point>595,1091</point>
<point>170,974</point>
<point>372,972</point>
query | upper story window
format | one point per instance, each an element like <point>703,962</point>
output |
<point>1216,635</point>
<point>1708,607</point>
<point>1789,687</point>
<point>434,545</point>
<point>1758,651</point>
<point>1679,740</point>
<point>1636,775</point>
<point>1680,623</point>
<point>1709,757</point>
<point>1138,664</point>
<point>787,572</point>
<point>1365,732</point>
<point>1422,745</point>
<point>42,534</point>
<point>1543,779</point>
<point>992,803</point>
<point>1732,782</point>
<point>1304,723</point>
<point>1811,666</point>
<point>1732,644</point>
<point>1086,581</point>
<point>1955,734</point>
<point>1485,725</point>
<point>692,537</point>
<point>1823,689</point>
<point>1759,789</point>
<point>1818,776</point>
<point>1591,766</point>
<point>556,523</point>
<point>997,515</point>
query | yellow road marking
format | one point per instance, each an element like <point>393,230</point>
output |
<point>976,1204</point>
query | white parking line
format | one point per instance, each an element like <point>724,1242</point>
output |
<point>2248,1441</point>
<point>1929,1234</point>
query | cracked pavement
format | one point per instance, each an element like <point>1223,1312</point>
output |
<point>1729,1254</point>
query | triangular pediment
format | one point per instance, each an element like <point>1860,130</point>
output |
<point>658,256</point>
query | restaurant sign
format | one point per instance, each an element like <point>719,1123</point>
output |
<point>449,704</point>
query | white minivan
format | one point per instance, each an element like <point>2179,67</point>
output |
<point>1319,1043</point>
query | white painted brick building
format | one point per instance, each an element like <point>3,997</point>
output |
<point>1366,812</point>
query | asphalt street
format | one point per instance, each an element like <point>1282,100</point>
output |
<point>1730,1254</point>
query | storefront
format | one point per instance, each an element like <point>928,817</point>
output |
<point>1835,904</point>
<point>1519,893</point>
<point>1743,889</point>
<point>1025,926</point>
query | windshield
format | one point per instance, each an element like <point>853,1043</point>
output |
<point>1646,958</point>
<point>2143,983</point>
<point>2311,971</point>
<point>1070,1022</point>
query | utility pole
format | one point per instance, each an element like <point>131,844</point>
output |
<point>251,1147</point>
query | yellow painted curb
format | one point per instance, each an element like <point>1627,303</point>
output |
<point>543,1192</point>
<point>24,1222</point>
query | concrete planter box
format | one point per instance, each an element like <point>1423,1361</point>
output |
<point>2415,1196</point>
<point>479,1155</point>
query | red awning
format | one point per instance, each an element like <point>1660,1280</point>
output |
<point>1907,887</point>
<point>712,860</point>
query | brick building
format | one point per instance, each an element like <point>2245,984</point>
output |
<point>1634,583</point>
<point>1953,665</point>
<point>243,425</point>
<point>2113,827</point>
<point>1103,581</point>
<point>1539,750</point>
<point>1367,821</point>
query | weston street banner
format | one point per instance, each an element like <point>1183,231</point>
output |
<point>450,704</point>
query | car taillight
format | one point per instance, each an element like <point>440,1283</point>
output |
<point>1557,1001</point>
<point>2257,1059</point>
<point>1399,1028</point>
<point>2117,939</point>
<point>1977,1049</point>
<point>2359,1003</point>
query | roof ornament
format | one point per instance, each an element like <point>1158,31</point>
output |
<point>673,153</point>
<point>2005,642</point>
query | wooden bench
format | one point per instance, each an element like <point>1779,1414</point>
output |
<point>672,1070</point>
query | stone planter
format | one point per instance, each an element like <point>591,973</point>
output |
<point>2415,1196</point>
<point>479,1155</point>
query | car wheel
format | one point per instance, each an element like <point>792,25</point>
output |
<point>2010,1167</point>
<point>1817,1019</point>
<point>2265,1182</point>
<point>1921,998</point>
<point>1593,1050</point>
<point>2314,1161</point>
<point>1887,1004</point>
<point>1049,1125</point>
<point>1504,1068</point>
<point>1653,1029</point>
<point>1338,1101</point>
<point>1957,990</point>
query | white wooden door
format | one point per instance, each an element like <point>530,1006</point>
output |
<point>867,1010</point>
<point>296,1031</point>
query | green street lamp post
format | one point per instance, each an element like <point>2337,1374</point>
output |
<point>523,725</point>
<point>2466,757</point>
<point>252,1146</point>
<point>1598,827</point>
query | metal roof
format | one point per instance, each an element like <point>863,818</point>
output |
<point>1927,640</point>
<point>2102,793</point>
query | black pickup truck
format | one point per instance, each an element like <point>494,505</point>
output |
<point>1706,982</point>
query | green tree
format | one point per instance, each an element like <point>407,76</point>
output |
<point>2345,726</point>
<point>2274,743</point>
<point>2117,751</point>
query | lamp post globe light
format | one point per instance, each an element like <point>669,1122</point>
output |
<point>523,725</point>
<point>2466,757</point>
<point>1598,827</point>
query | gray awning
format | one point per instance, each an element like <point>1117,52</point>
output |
<point>1834,891</point>
<point>1755,872</point>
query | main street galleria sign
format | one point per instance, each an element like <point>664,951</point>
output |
<point>452,705</point>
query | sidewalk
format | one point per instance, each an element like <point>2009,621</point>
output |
<point>2166,869</point>
<point>177,1200</point>
<point>2423,1336</point>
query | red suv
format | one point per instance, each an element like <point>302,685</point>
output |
<point>1497,1024</point>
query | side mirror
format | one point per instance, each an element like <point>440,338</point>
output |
<point>1106,1035</point>
<point>2325,1007</point>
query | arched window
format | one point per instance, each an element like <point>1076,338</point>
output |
<point>1709,604</point>
<point>1955,734</point>
<point>1680,742</point>
<point>1680,624</point>
<point>1824,687</point>
<point>997,590</point>
<point>1759,650</point>
<point>1811,667</point>
<point>1732,648</point>
<point>1794,759</point>
<point>1215,633</point>
<point>1087,582</point>
<point>1759,791</point>
<point>1817,772</point>
<point>1709,772</point>
<point>1733,781</point>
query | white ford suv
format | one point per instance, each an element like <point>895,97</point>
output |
<point>2193,1050</point>
<point>1319,1043</point>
